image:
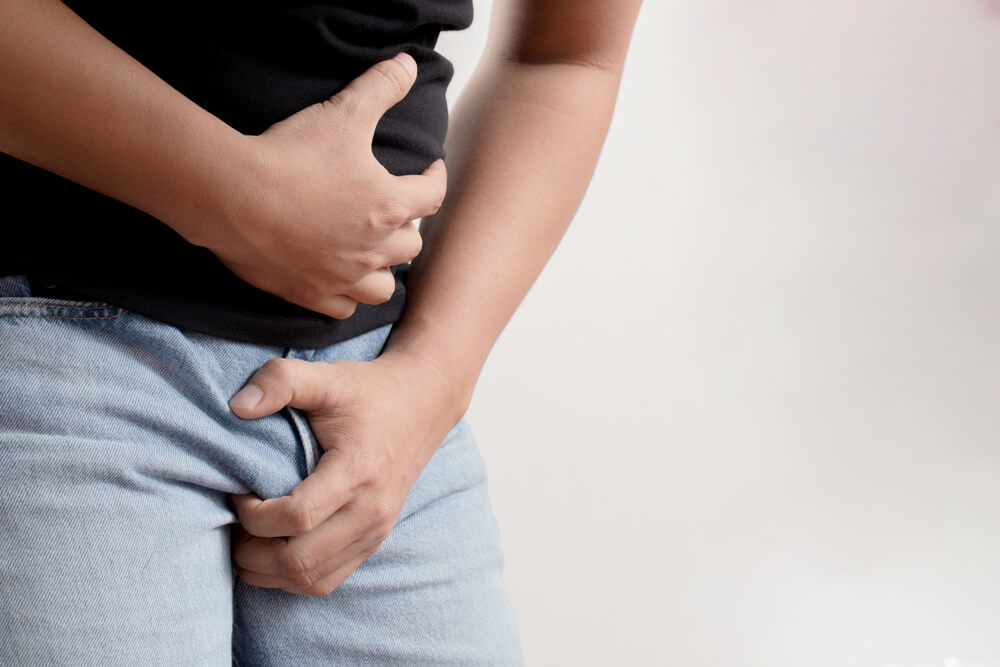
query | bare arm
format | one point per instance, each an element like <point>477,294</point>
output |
<point>522,147</point>
<point>73,103</point>
<point>523,144</point>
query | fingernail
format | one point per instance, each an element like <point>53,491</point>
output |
<point>408,62</point>
<point>247,398</point>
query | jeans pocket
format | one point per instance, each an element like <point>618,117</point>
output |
<point>23,297</point>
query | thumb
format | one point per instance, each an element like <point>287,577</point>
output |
<point>306,385</point>
<point>380,87</point>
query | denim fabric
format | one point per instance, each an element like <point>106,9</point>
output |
<point>117,453</point>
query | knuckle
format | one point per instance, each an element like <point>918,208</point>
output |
<point>373,548</point>
<point>371,260</point>
<point>380,513</point>
<point>301,517</point>
<point>390,212</point>
<point>364,472</point>
<point>278,370</point>
<point>395,75</point>
<point>376,221</point>
<point>345,103</point>
<point>299,567</point>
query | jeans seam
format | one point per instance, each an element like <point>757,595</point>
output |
<point>60,317</point>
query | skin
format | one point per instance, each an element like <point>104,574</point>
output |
<point>304,211</point>
<point>522,146</point>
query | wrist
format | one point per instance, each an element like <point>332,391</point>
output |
<point>215,196</point>
<point>452,382</point>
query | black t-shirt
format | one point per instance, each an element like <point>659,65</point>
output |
<point>250,63</point>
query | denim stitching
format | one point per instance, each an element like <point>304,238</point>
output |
<point>61,317</point>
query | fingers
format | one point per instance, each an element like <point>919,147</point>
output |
<point>312,502</point>
<point>327,584</point>
<point>279,382</point>
<point>299,563</point>
<point>377,287</point>
<point>321,587</point>
<point>298,559</point>
<point>380,87</point>
<point>404,244</point>
<point>424,193</point>
<point>337,306</point>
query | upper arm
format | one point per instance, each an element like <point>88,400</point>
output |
<point>594,33</point>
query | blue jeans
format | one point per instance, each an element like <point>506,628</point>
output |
<point>117,453</point>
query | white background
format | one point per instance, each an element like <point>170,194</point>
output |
<point>750,413</point>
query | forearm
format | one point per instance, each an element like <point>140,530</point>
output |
<point>73,103</point>
<point>522,147</point>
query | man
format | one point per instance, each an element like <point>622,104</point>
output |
<point>307,224</point>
